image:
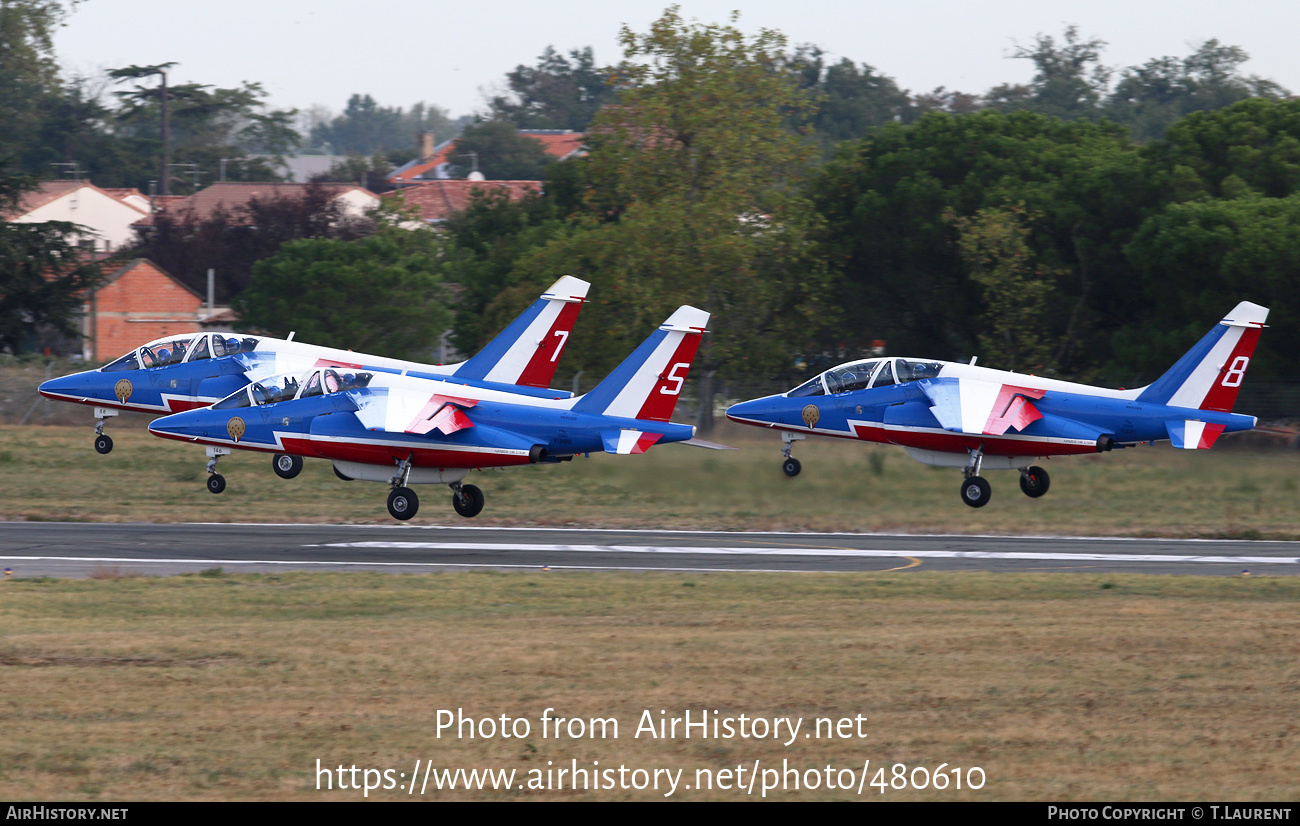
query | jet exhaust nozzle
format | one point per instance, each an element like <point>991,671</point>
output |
<point>1105,443</point>
<point>537,454</point>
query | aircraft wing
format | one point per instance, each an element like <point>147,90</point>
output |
<point>981,407</point>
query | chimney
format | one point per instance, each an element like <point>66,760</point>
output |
<point>426,145</point>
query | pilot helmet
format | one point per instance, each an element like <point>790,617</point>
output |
<point>232,345</point>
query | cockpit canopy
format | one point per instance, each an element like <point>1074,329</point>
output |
<point>860,375</point>
<point>281,388</point>
<point>171,350</point>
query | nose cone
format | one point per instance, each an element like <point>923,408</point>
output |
<point>765,411</point>
<point>185,426</point>
<point>76,387</point>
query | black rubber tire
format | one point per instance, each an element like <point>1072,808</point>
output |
<point>469,502</point>
<point>103,444</point>
<point>403,503</point>
<point>341,476</point>
<point>976,491</point>
<point>216,483</point>
<point>791,467</point>
<point>1035,482</point>
<point>286,466</point>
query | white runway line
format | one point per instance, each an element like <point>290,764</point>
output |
<point>845,552</point>
<point>535,566</point>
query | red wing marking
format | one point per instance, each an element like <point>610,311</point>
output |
<point>1013,409</point>
<point>443,414</point>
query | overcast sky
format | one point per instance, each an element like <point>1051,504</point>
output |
<point>309,52</point>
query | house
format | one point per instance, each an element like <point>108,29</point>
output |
<point>138,302</point>
<point>437,200</point>
<point>109,214</point>
<point>231,195</point>
<point>433,160</point>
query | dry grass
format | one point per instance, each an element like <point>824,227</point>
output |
<point>52,473</point>
<point>1061,687</point>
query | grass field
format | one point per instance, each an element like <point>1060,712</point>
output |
<point>53,473</point>
<point>1060,687</point>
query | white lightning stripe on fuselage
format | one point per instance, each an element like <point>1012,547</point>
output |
<point>977,399</point>
<point>512,364</point>
<point>279,436</point>
<point>632,397</point>
<point>1197,386</point>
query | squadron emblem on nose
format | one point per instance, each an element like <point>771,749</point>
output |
<point>235,427</point>
<point>811,414</point>
<point>123,390</point>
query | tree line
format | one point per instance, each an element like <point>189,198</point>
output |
<point>1089,224</point>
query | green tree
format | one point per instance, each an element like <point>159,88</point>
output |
<point>1196,260</point>
<point>995,245</point>
<point>43,276</point>
<point>1154,95</point>
<point>691,196</point>
<point>1251,146</point>
<point>557,93</point>
<point>850,100</point>
<point>901,277</point>
<point>497,150</point>
<point>380,294</point>
<point>366,128</point>
<point>29,70</point>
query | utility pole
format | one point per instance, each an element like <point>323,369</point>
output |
<point>136,73</point>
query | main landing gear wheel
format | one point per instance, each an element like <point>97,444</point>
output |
<point>1034,481</point>
<point>403,503</point>
<point>976,491</point>
<point>468,501</point>
<point>286,466</point>
<point>103,444</point>
<point>216,483</point>
<point>791,467</point>
<point>341,476</point>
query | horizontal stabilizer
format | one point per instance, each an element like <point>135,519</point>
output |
<point>628,441</point>
<point>1193,435</point>
<point>707,445</point>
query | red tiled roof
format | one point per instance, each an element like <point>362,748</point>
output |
<point>233,194</point>
<point>558,144</point>
<point>438,200</point>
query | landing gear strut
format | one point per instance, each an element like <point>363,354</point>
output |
<point>791,466</point>
<point>975,489</point>
<point>103,443</point>
<point>402,501</point>
<point>216,482</point>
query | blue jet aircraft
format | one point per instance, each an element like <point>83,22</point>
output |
<point>387,427</point>
<point>963,416</point>
<point>194,370</point>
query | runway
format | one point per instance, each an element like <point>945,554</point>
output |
<point>33,549</point>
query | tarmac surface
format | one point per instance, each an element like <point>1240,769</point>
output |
<point>32,549</point>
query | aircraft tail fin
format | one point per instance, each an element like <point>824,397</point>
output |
<point>649,382</point>
<point>528,351</point>
<point>1209,376</point>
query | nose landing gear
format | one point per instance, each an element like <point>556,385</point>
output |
<point>402,501</point>
<point>216,482</point>
<point>975,489</point>
<point>103,443</point>
<point>790,467</point>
